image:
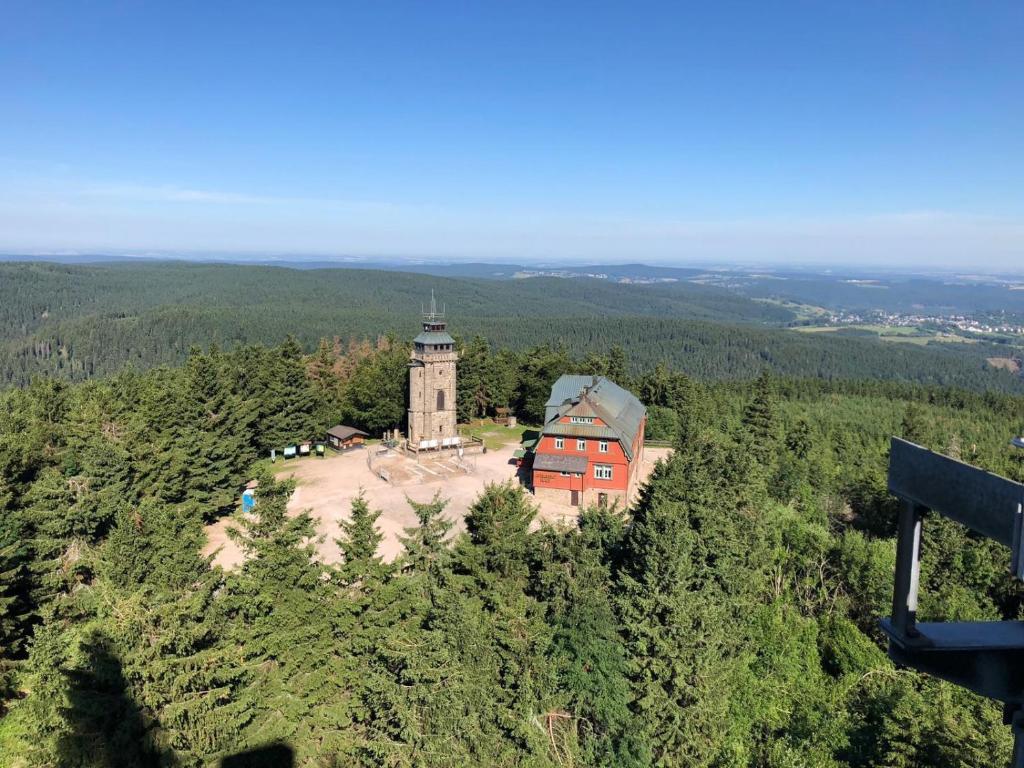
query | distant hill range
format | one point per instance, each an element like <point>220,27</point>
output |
<point>82,320</point>
<point>845,289</point>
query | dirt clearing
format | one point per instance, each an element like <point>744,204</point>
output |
<point>327,486</point>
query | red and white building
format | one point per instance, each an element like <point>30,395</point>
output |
<point>591,446</point>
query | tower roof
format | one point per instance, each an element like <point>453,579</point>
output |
<point>434,337</point>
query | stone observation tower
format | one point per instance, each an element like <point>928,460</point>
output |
<point>432,384</point>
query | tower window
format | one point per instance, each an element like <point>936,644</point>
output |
<point>440,399</point>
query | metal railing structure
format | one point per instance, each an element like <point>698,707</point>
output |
<point>371,462</point>
<point>986,657</point>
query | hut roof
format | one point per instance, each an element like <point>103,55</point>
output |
<point>344,433</point>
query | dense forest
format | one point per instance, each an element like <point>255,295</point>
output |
<point>729,618</point>
<point>77,322</point>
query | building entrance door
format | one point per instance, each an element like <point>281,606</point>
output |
<point>602,499</point>
<point>574,498</point>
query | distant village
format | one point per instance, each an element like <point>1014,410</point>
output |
<point>949,323</point>
<point>564,273</point>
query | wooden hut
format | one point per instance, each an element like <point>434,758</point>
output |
<point>504,417</point>
<point>342,438</point>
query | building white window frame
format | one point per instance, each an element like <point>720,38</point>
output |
<point>602,446</point>
<point>602,471</point>
<point>581,419</point>
<point>581,444</point>
<point>565,474</point>
<point>559,443</point>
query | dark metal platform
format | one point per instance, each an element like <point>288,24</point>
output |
<point>961,636</point>
<point>986,657</point>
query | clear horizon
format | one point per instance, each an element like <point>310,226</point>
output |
<point>869,135</point>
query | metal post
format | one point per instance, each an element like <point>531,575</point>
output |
<point>1018,741</point>
<point>908,570</point>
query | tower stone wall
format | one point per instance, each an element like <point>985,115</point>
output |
<point>432,389</point>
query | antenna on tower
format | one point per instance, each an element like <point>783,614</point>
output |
<point>432,315</point>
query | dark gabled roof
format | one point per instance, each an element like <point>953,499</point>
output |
<point>566,389</point>
<point>344,433</point>
<point>580,430</point>
<point>555,462</point>
<point>594,396</point>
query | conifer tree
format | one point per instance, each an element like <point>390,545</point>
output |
<point>189,671</point>
<point>12,619</point>
<point>426,545</point>
<point>359,543</point>
<point>760,421</point>
<point>282,613</point>
<point>219,422</point>
<point>498,524</point>
<point>326,372</point>
<point>914,426</point>
<point>683,552</point>
<point>572,578</point>
<point>157,544</point>
<point>287,405</point>
<point>617,368</point>
<point>375,394</point>
<point>474,395</point>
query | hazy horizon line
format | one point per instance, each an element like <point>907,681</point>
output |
<point>254,258</point>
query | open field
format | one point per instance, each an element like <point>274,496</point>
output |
<point>802,311</point>
<point>901,334</point>
<point>1006,363</point>
<point>881,330</point>
<point>327,486</point>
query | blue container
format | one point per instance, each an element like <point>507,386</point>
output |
<point>248,500</point>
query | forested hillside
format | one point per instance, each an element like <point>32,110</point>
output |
<point>728,619</point>
<point>82,321</point>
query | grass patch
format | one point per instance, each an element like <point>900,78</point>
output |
<point>495,435</point>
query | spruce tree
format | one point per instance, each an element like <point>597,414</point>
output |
<point>375,394</point>
<point>474,395</point>
<point>324,371</point>
<point>617,367</point>
<point>915,426</point>
<point>572,577</point>
<point>683,555</point>
<point>426,545</point>
<point>288,404</point>
<point>12,619</point>
<point>284,617</point>
<point>359,542</point>
<point>498,524</point>
<point>760,421</point>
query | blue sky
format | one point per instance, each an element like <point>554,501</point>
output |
<point>865,132</point>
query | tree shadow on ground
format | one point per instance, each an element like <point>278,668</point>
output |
<point>269,756</point>
<point>107,729</point>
